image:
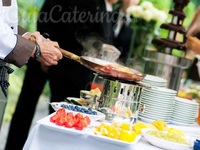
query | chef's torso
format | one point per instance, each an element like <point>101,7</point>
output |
<point>9,14</point>
<point>8,26</point>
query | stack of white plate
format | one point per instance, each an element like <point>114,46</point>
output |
<point>154,81</point>
<point>159,104</point>
<point>185,111</point>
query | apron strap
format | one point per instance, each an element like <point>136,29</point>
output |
<point>4,71</point>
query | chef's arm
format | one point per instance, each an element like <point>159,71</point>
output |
<point>21,52</point>
<point>21,31</point>
<point>17,50</point>
<point>13,47</point>
<point>193,41</point>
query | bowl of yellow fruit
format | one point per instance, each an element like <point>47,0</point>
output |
<point>172,139</point>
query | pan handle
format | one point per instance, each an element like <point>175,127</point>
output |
<point>64,52</point>
<point>69,55</point>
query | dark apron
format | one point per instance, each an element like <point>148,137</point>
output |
<point>4,71</point>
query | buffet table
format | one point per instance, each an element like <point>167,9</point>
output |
<point>43,137</point>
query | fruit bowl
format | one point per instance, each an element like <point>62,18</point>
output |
<point>166,143</point>
<point>93,114</point>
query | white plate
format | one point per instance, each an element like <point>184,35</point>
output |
<point>186,101</point>
<point>156,106</point>
<point>184,113</point>
<point>152,84</point>
<point>155,84</point>
<point>156,117</point>
<point>147,112</point>
<point>161,143</point>
<point>152,78</point>
<point>183,121</point>
<point>188,118</point>
<point>158,95</point>
<point>46,122</point>
<point>178,104</point>
<point>158,99</point>
<point>193,108</point>
<point>161,110</point>
<point>163,90</point>
<point>113,141</point>
<point>181,124</point>
<point>150,120</point>
<point>100,116</point>
<point>160,103</point>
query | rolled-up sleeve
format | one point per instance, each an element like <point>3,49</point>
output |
<point>21,31</point>
<point>21,53</point>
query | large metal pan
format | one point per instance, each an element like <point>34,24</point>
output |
<point>102,66</point>
<point>105,67</point>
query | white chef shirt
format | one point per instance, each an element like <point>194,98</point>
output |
<point>8,28</point>
<point>108,6</point>
<point>120,21</point>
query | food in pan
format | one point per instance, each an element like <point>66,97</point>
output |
<point>121,72</point>
<point>118,68</point>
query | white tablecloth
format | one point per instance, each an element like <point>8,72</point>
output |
<point>43,137</point>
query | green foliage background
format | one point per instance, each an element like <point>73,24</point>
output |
<point>28,12</point>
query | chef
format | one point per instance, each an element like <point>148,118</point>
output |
<point>15,48</point>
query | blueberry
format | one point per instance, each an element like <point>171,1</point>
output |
<point>94,112</point>
<point>78,108</point>
<point>63,105</point>
<point>90,112</point>
<point>85,110</point>
<point>81,110</point>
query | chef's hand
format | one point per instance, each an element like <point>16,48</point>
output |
<point>193,44</point>
<point>50,54</point>
<point>37,36</point>
<point>128,3</point>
